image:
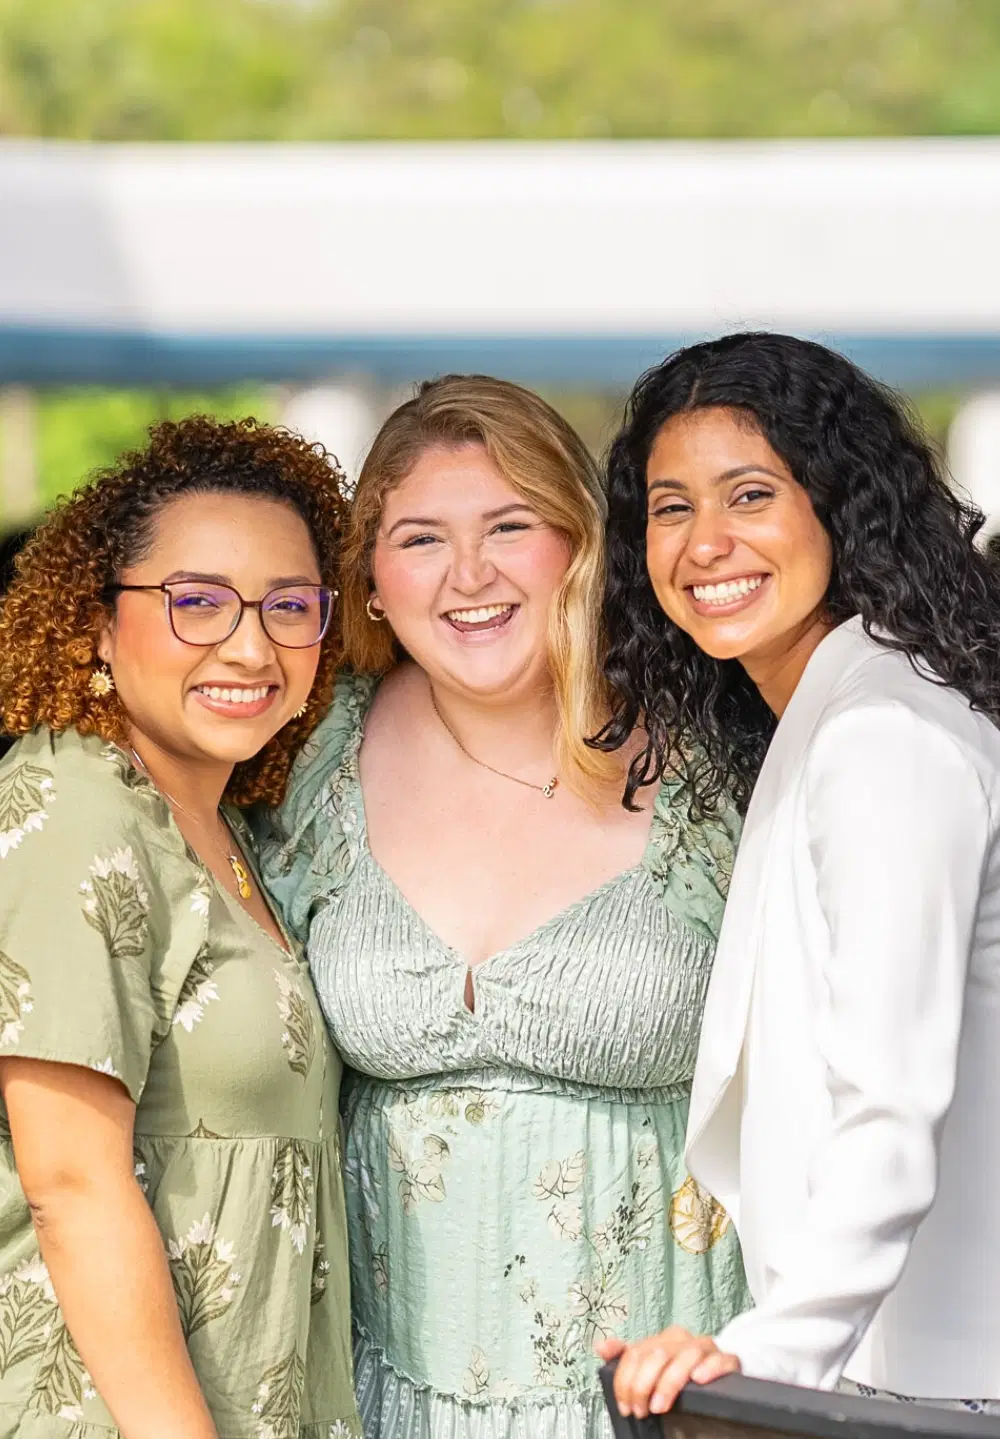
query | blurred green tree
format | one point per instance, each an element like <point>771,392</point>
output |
<point>357,69</point>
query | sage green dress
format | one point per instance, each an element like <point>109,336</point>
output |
<point>515,1177</point>
<point>119,952</point>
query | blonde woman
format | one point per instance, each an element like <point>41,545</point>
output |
<point>512,963</point>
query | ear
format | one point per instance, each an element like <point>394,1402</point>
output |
<point>106,642</point>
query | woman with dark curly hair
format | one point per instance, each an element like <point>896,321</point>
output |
<point>794,597</point>
<point>172,1231</point>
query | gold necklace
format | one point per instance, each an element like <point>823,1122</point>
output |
<point>239,869</point>
<point>548,790</point>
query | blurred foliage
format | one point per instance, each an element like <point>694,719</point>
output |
<point>468,69</point>
<point>355,69</point>
<point>83,429</point>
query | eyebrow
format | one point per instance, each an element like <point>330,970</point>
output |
<point>431,522</point>
<point>736,473</point>
<point>276,583</point>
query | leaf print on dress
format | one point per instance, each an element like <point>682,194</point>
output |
<point>26,792</point>
<point>61,1381</point>
<point>291,1192</point>
<point>279,1399</point>
<point>299,1037</point>
<point>697,1220</point>
<point>15,999</point>
<point>557,1181</point>
<point>421,1171</point>
<point>27,1309</point>
<point>198,990</point>
<point>320,1273</point>
<point>116,904</point>
<point>204,1278</point>
<point>477,1376</point>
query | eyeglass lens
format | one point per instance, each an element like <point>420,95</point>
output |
<point>205,614</point>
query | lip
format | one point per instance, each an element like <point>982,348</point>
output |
<point>488,630</point>
<point>236,709</point>
<point>732,607</point>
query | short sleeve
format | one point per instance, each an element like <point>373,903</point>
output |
<point>691,858</point>
<point>305,847</point>
<point>84,922</point>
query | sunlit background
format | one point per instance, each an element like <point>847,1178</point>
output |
<point>242,222</point>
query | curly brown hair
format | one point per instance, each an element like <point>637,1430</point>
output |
<point>58,602</point>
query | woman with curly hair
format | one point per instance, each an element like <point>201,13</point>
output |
<point>512,965</point>
<point>794,596</point>
<point>172,1232</point>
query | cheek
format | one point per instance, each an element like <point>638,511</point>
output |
<point>299,669</point>
<point>148,643</point>
<point>538,565</point>
<point>663,550</point>
<point>407,579</point>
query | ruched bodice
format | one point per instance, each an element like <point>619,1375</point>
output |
<point>515,1174</point>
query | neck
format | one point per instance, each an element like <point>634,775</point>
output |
<point>512,732</point>
<point>195,786</point>
<point>776,673</point>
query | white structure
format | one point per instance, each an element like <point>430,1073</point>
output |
<point>573,263</point>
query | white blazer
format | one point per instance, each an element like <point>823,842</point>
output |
<point>846,1102</point>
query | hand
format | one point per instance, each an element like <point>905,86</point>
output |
<point>652,1372</point>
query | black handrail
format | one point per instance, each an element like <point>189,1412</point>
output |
<point>739,1408</point>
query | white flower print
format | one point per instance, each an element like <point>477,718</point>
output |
<point>198,990</point>
<point>15,1000</point>
<point>26,792</point>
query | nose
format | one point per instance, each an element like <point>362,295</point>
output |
<point>249,644</point>
<point>708,537</point>
<point>471,568</point>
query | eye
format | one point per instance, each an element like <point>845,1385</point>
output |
<point>753,495</point>
<point>288,605</point>
<point>196,600</point>
<point>416,541</point>
<point>509,527</point>
<point>669,509</point>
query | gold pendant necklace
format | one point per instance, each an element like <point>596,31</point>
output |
<point>240,872</point>
<point>548,790</point>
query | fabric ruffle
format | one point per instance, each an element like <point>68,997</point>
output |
<point>307,847</point>
<point>394,1407</point>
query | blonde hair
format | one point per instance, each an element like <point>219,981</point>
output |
<point>546,462</point>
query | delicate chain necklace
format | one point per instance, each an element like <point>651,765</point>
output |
<point>548,790</point>
<point>239,869</point>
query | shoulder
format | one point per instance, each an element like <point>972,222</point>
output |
<point>337,735</point>
<point>692,856</point>
<point>901,710</point>
<point>66,785</point>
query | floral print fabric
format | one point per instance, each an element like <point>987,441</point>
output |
<point>119,952</point>
<point>515,1176</point>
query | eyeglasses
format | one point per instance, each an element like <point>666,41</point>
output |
<point>294,616</point>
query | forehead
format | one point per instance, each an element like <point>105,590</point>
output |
<point>229,534</point>
<point>449,482</point>
<point>705,443</point>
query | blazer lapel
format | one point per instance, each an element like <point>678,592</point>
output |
<point>728,1002</point>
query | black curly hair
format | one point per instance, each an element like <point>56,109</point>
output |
<point>902,541</point>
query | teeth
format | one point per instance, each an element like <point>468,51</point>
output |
<point>234,696</point>
<point>480,616</point>
<point>727,590</point>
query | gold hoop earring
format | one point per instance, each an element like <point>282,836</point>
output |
<point>375,615</point>
<point>101,682</point>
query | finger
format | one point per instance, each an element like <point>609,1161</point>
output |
<point>714,1367</point>
<point>677,1373</point>
<point>610,1348</point>
<point>624,1376</point>
<point>647,1375</point>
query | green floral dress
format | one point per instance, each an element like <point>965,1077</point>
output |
<point>119,952</point>
<point>515,1177</point>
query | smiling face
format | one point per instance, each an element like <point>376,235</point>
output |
<point>466,572</point>
<point>734,550</point>
<point>219,703</point>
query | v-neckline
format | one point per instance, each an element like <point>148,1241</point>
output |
<point>353,770</point>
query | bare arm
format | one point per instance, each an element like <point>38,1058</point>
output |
<point>72,1133</point>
